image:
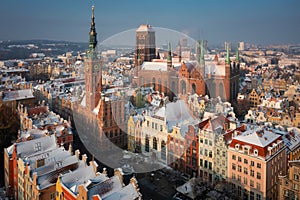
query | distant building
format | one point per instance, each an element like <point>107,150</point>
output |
<point>288,186</point>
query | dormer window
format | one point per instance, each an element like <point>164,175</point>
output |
<point>255,152</point>
<point>237,146</point>
<point>246,150</point>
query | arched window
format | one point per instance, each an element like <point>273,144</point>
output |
<point>221,89</point>
<point>159,85</point>
<point>147,144</point>
<point>193,88</point>
<point>155,143</point>
<point>183,87</point>
<point>153,83</point>
<point>173,87</point>
<point>163,150</point>
<point>213,90</point>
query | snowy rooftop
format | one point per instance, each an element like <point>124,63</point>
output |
<point>38,145</point>
<point>82,175</point>
<point>214,69</point>
<point>176,113</point>
<point>126,193</point>
<point>253,137</point>
<point>145,27</point>
<point>18,95</point>
<point>158,66</point>
<point>106,188</point>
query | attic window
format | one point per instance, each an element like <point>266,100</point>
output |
<point>237,146</point>
<point>38,146</point>
<point>255,152</point>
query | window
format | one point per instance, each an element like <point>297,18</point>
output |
<point>252,163</point>
<point>296,177</point>
<point>296,187</point>
<point>205,164</point>
<point>245,170</point>
<point>233,166</point>
<point>210,154</point>
<point>201,140</point>
<point>251,183</point>
<point>155,143</point>
<point>240,168</point>
<point>255,152</point>
<point>245,180</point>
<point>201,150</point>
<point>210,143</point>
<point>210,165</point>
<point>233,176</point>
<point>201,162</point>
<point>218,152</point>
<point>224,154</point>
<point>258,165</point>
<point>239,178</point>
<point>258,175</point>
<point>38,146</point>
<point>258,186</point>
<point>147,144</point>
<point>239,191</point>
<point>239,159</point>
<point>205,141</point>
<point>233,157</point>
<point>258,197</point>
<point>148,123</point>
<point>245,161</point>
<point>252,172</point>
<point>251,195</point>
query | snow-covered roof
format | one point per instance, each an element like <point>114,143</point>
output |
<point>263,139</point>
<point>18,95</point>
<point>214,69</point>
<point>145,28</point>
<point>126,193</point>
<point>106,187</point>
<point>82,175</point>
<point>34,146</point>
<point>157,66</point>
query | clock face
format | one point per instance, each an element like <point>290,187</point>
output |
<point>96,67</point>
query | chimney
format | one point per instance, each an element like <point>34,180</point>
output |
<point>77,154</point>
<point>84,158</point>
<point>118,172</point>
<point>95,165</point>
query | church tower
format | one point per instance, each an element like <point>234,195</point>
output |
<point>169,58</point>
<point>145,43</point>
<point>93,72</point>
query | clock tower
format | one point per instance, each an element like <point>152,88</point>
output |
<point>93,72</point>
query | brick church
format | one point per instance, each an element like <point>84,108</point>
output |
<point>175,78</point>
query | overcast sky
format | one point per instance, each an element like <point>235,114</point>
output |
<point>260,22</point>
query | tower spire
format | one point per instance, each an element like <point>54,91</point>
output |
<point>202,61</point>
<point>169,58</point>
<point>237,56</point>
<point>227,55</point>
<point>179,52</point>
<point>93,33</point>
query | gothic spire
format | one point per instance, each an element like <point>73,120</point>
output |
<point>179,52</point>
<point>237,56</point>
<point>169,58</point>
<point>202,61</point>
<point>93,33</point>
<point>227,55</point>
<point>198,50</point>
